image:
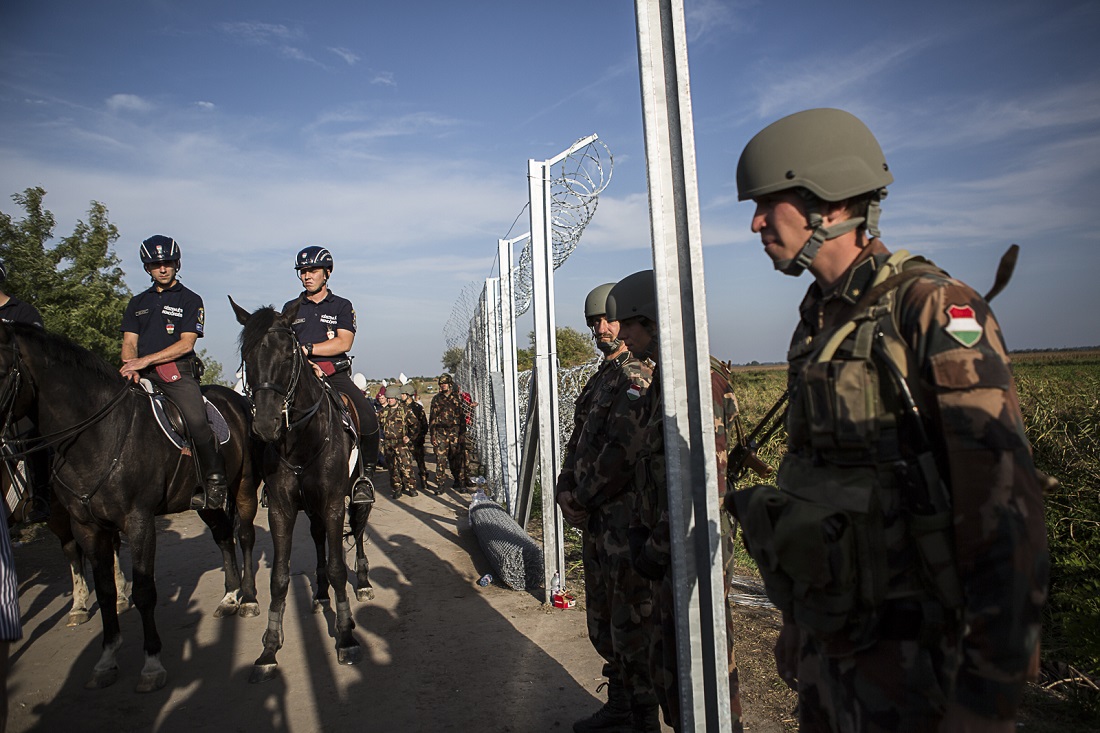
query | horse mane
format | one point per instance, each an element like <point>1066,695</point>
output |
<point>61,352</point>
<point>258,325</point>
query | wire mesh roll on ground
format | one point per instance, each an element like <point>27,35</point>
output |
<point>516,559</point>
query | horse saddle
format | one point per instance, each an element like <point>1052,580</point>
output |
<point>170,420</point>
<point>350,417</point>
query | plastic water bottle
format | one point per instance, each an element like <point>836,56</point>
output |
<point>555,587</point>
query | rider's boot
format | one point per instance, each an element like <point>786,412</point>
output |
<point>362,491</point>
<point>614,716</point>
<point>212,495</point>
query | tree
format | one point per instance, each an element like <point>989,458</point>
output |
<point>77,285</point>
<point>213,372</point>
<point>452,357</point>
<point>574,348</point>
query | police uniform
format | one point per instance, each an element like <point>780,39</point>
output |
<point>159,318</point>
<point>19,311</point>
<point>317,323</point>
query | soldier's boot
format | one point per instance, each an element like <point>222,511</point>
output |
<point>613,717</point>
<point>647,718</point>
<point>212,494</point>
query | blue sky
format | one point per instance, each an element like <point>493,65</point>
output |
<point>398,134</point>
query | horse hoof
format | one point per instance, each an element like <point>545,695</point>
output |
<point>227,609</point>
<point>263,672</point>
<point>349,655</point>
<point>79,617</point>
<point>152,682</point>
<point>249,610</point>
<point>102,678</point>
<point>123,605</point>
<point>364,594</point>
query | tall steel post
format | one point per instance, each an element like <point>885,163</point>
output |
<point>546,367</point>
<point>684,366</point>
<point>510,413</point>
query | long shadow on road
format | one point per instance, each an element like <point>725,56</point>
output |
<point>440,653</point>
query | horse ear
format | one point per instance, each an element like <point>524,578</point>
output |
<point>242,314</point>
<point>291,311</point>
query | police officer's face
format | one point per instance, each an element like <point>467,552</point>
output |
<point>313,279</point>
<point>781,222</point>
<point>635,335</point>
<point>603,330</point>
<point>163,273</point>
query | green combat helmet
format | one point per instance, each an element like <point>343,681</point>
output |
<point>827,155</point>
<point>446,379</point>
<point>393,391</point>
<point>596,302</point>
<point>635,295</point>
<point>408,389</point>
<point>595,305</point>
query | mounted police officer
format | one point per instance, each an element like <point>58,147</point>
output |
<point>325,327</point>
<point>159,329</point>
<point>906,545</point>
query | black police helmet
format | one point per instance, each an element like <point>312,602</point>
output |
<point>159,248</point>
<point>313,256</point>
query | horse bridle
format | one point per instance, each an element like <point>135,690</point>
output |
<point>288,393</point>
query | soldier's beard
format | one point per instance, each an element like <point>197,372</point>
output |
<point>608,347</point>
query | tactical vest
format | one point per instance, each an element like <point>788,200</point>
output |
<point>863,516</point>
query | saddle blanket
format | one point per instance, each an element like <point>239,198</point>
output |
<point>213,416</point>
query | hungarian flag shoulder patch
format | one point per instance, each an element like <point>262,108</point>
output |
<point>962,325</point>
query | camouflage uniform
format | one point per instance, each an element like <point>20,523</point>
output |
<point>399,423</point>
<point>656,554</point>
<point>417,410</point>
<point>896,665</point>
<point>447,427</point>
<point>609,459</point>
<point>597,601</point>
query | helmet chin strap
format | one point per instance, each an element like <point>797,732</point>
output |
<point>821,234</point>
<point>609,347</point>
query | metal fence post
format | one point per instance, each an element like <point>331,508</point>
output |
<point>684,366</point>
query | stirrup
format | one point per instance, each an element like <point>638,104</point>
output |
<point>362,491</point>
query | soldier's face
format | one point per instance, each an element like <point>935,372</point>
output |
<point>445,387</point>
<point>603,330</point>
<point>634,335</point>
<point>781,222</point>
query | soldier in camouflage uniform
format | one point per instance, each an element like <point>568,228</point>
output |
<point>608,458</point>
<point>447,428</point>
<point>395,445</point>
<point>633,301</point>
<point>406,428</point>
<point>616,712</point>
<point>416,442</point>
<point>906,545</point>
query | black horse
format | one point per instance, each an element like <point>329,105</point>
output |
<point>113,470</point>
<point>308,468</point>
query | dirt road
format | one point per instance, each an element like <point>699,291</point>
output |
<point>441,653</point>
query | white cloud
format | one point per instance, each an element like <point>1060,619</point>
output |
<point>385,78</point>
<point>257,32</point>
<point>128,103</point>
<point>205,105</point>
<point>349,57</point>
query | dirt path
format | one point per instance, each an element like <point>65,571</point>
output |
<point>441,654</point>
